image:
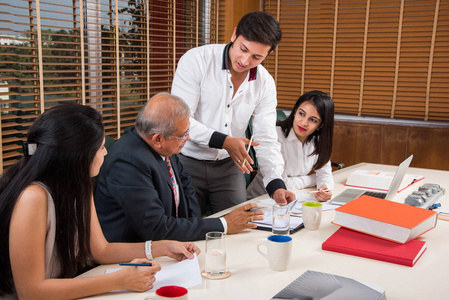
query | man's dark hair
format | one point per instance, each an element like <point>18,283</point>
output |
<point>261,27</point>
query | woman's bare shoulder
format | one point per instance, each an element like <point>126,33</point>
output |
<point>33,195</point>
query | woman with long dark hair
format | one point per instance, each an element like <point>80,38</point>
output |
<point>306,141</point>
<point>48,225</point>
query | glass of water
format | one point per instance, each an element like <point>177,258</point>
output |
<point>281,219</point>
<point>215,265</point>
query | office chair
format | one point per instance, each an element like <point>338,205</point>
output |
<point>109,141</point>
<point>280,116</point>
<point>338,165</point>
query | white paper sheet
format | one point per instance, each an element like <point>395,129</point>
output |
<point>185,273</point>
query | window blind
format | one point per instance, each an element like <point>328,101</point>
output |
<point>384,58</point>
<point>111,54</point>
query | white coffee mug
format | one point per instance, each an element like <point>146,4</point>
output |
<point>311,215</point>
<point>170,292</point>
<point>279,249</point>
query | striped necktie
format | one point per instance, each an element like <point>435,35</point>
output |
<point>174,186</point>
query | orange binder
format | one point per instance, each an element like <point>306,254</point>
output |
<point>386,219</point>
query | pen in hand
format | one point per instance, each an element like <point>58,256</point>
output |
<point>247,150</point>
<point>136,264</point>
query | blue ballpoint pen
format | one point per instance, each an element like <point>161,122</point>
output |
<point>135,264</point>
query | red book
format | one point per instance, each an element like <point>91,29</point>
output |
<point>359,244</point>
<point>397,222</point>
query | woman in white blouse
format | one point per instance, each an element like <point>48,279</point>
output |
<point>307,148</point>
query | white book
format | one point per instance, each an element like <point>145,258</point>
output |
<point>379,180</point>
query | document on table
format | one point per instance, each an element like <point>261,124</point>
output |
<point>185,273</point>
<point>297,210</point>
<point>267,222</point>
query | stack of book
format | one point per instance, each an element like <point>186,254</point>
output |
<point>381,229</point>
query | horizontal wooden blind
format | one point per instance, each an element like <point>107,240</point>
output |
<point>19,78</point>
<point>111,54</point>
<point>385,58</point>
<point>222,15</point>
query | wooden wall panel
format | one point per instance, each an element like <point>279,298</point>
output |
<point>368,142</point>
<point>356,142</point>
<point>394,144</point>
<point>431,146</point>
<point>345,137</point>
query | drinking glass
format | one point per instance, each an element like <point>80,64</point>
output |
<point>215,265</point>
<point>281,219</point>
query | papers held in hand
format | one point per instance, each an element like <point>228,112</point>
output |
<point>386,219</point>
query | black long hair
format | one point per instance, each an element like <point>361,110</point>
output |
<point>323,137</point>
<point>67,138</point>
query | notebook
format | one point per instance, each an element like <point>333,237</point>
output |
<point>318,285</point>
<point>351,194</point>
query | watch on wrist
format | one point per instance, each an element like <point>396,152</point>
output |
<point>148,253</point>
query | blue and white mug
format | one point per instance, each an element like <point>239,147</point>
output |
<point>279,250</point>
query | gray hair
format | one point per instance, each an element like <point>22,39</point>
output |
<point>161,115</point>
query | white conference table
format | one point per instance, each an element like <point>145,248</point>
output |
<point>251,277</point>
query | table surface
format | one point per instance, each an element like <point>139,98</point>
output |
<point>251,277</point>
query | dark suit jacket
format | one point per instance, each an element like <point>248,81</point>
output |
<point>134,196</point>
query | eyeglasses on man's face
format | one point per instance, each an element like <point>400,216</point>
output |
<point>182,138</point>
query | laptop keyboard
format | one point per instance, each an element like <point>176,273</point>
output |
<point>375,194</point>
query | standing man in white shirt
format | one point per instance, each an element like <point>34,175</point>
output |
<point>225,86</point>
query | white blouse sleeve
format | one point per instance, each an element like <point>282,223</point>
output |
<point>324,176</point>
<point>300,182</point>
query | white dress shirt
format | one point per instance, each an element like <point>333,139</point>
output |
<point>299,163</point>
<point>203,81</point>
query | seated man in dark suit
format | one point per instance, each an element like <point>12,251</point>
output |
<point>139,198</point>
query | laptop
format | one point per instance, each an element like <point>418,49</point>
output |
<point>351,194</point>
